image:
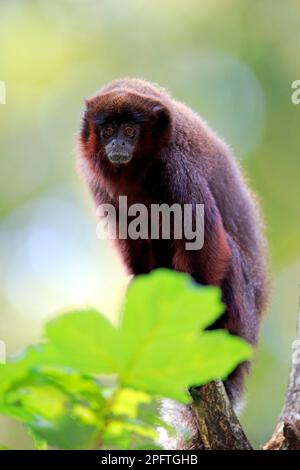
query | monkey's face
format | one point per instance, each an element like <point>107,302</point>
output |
<point>119,140</point>
<point>122,132</point>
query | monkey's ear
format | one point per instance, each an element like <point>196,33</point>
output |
<point>87,103</point>
<point>85,122</point>
<point>161,116</point>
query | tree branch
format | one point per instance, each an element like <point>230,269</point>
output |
<point>218,425</point>
<point>287,433</point>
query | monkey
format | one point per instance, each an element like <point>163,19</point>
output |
<point>137,140</point>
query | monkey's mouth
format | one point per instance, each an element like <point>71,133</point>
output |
<point>119,158</point>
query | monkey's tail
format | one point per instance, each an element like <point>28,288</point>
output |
<point>183,433</point>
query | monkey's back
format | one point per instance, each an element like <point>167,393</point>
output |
<point>237,203</point>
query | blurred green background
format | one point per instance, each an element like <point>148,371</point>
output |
<point>233,61</point>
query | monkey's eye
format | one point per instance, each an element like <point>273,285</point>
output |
<point>129,131</point>
<point>108,132</point>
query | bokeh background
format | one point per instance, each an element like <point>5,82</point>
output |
<point>232,60</point>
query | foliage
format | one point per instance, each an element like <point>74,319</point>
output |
<point>89,384</point>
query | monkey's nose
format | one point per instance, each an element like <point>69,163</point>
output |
<point>121,143</point>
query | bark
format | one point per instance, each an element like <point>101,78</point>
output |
<point>218,425</point>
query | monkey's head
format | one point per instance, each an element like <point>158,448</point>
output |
<point>122,131</point>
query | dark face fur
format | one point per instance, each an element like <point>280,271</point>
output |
<point>119,139</point>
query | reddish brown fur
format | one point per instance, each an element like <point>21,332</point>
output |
<point>180,160</point>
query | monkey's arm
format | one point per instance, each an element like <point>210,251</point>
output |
<point>136,254</point>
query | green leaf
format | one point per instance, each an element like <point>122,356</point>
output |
<point>84,340</point>
<point>164,313</point>
<point>159,347</point>
<point>171,299</point>
<point>128,402</point>
<point>213,357</point>
<point>64,432</point>
<point>17,367</point>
